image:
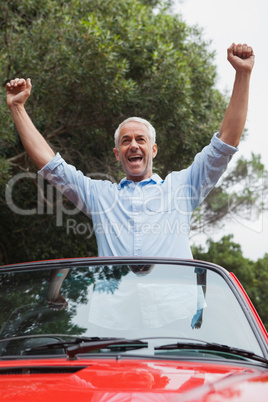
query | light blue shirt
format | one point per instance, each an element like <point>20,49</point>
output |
<point>147,218</point>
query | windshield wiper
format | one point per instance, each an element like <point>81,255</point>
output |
<point>215,347</point>
<point>64,343</point>
<point>80,345</point>
<point>86,344</point>
<point>123,343</point>
<point>126,344</point>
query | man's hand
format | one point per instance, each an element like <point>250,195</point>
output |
<point>18,91</point>
<point>241,57</point>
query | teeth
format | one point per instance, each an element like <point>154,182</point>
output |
<point>133,158</point>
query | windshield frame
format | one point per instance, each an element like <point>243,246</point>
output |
<point>230,279</point>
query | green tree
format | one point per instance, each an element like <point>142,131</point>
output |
<point>260,286</point>
<point>92,64</point>
<point>229,255</point>
<point>242,193</point>
<point>252,275</point>
<point>26,310</point>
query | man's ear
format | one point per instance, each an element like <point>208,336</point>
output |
<point>116,152</point>
<point>154,150</point>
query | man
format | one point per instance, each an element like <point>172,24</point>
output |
<point>143,214</point>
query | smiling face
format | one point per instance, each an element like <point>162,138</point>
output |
<point>135,151</point>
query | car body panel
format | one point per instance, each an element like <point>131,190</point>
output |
<point>119,379</point>
<point>135,375</point>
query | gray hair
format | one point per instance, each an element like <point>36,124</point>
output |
<point>151,129</point>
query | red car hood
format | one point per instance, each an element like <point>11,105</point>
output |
<point>129,380</point>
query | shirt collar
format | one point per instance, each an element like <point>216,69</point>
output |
<point>154,179</point>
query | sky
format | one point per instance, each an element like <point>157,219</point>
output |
<point>239,21</point>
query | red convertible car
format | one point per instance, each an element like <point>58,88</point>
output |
<point>129,329</point>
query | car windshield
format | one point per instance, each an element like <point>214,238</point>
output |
<point>131,300</point>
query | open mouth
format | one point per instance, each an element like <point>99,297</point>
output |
<point>135,159</point>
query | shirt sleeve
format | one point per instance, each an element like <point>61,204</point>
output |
<point>77,187</point>
<point>208,166</point>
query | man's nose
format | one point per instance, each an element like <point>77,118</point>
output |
<point>134,145</point>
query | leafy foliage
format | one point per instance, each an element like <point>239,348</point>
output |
<point>26,311</point>
<point>241,193</point>
<point>259,287</point>
<point>253,275</point>
<point>93,63</point>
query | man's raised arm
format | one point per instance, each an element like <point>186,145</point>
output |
<point>241,58</point>
<point>35,145</point>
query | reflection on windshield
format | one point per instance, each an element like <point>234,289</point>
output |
<point>201,281</point>
<point>57,301</point>
<point>144,304</point>
<point>131,301</point>
<point>54,298</point>
<point>141,269</point>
